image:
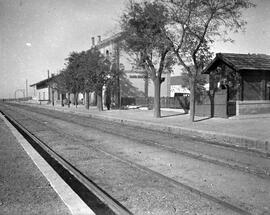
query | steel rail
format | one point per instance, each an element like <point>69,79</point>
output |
<point>115,206</point>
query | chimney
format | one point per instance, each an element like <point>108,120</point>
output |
<point>99,39</point>
<point>93,41</point>
<point>48,74</point>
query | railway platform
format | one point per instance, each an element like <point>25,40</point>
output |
<point>23,188</point>
<point>248,131</point>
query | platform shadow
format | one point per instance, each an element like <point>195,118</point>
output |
<point>171,115</point>
<point>203,119</point>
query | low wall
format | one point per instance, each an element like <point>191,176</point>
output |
<point>252,107</point>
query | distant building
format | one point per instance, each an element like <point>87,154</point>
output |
<point>42,89</point>
<point>132,79</point>
<point>176,88</point>
<point>129,80</point>
<point>47,91</point>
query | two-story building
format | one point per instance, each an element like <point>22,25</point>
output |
<point>129,81</point>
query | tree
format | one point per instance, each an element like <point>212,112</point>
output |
<point>143,25</point>
<point>201,80</point>
<point>72,76</point>
<point>86,72</point>
<point>61,84</point>
<point>96,73</point>
<point>193,27</point>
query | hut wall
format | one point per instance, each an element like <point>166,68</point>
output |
<point>253,85</point>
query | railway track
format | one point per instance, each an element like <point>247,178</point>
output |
<point>108,128</point>
<point>90,192</point>
<point>115,206</point>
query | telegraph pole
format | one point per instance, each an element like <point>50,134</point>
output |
<point>26,88</point>
<point>118,94</point>
<point>49,88</point>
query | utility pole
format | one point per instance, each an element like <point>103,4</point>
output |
<point>117,59</point>
<point>26,88</point>
<point>49,90</point>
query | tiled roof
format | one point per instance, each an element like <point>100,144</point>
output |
<point>45,81</point>
<point>41,82</point>
<point>241,61</point>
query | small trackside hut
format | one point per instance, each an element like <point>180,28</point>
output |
<point>241,82</point>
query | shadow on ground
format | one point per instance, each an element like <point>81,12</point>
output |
<point>171,115</point>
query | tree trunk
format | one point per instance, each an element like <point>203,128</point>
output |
<point>99,99</point>
<point>117,93</point>
<point>61,99</point>
<point>83,101</point>
<point>192,99</point>
<point>95,99</point>
<point>52,97</point>
<point>68,100</point>
<point>146,87</point>
<point>87,100</point>
<point>157,98</point>
<point>76,99</point>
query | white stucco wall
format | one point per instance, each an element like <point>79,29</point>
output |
<point>40,94</point>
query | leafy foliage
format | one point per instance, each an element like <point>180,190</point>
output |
<point>85,71</point>
<point>143,26</point>
<point>97,70</point>
<point>194,25</point>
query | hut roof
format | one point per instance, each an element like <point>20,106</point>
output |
<point>240,62</point>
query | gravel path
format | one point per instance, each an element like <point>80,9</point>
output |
<point>23,188</point>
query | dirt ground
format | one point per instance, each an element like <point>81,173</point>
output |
<point>23,188</point>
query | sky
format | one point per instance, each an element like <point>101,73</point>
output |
<point>37,35</point>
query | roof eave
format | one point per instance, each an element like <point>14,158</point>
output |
<point>221,58</point>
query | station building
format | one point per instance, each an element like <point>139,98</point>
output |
<point>132,81</point>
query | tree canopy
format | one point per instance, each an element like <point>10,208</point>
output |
<point>186,28</point>
<point>86,71</point>
<point>143,25</point>
<point>194,25</point>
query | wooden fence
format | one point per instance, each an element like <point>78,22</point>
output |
<point>215,105</point>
